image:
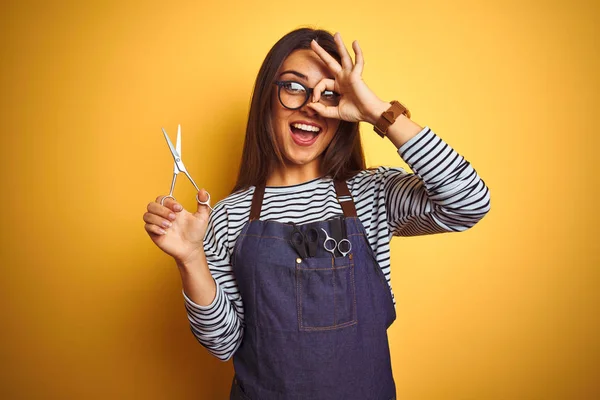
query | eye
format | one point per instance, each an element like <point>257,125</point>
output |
<point>293,87</point>
<point>329,95</point>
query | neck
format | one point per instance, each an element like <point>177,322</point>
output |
<point>287,175</point>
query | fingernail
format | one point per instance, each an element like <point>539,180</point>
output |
<point>178,207</point>
<point>172,217</point>
<point>166,224</point>
<point>162,231</point>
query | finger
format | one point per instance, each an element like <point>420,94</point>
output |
<point>331,62</point>
<point>204,197</point>
<point>170,203</point>
<point>157,220</point>
<point>345,56</point>
<point>154,230</point>
<point>324,111</point>
<point>161,211</point>
<point>360,61</point>
<point>324,84</point>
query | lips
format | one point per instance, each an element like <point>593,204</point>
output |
<point>305,133</point>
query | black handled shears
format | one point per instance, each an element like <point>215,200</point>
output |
<point>305,244</point>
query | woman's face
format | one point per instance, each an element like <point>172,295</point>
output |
<point>302,135</point>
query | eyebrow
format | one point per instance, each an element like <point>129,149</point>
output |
<point>298,74</point>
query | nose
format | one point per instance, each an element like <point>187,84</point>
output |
<point>305,109</point>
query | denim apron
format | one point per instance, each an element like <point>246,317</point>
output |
<point>316,327</point>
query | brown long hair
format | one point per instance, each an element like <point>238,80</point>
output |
<point>342,159</point>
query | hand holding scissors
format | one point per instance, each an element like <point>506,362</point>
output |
<point>179,167</point>
<point>330,244</point>
<point>176,231</point>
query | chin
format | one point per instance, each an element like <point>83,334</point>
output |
<point>299,160</point>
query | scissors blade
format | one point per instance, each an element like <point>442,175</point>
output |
<point>178,143</point>
<point>174,153</point>
<point>312,237</point>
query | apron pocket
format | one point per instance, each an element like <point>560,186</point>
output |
<point>325,293</point>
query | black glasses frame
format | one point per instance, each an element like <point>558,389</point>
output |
<point>307,90</point>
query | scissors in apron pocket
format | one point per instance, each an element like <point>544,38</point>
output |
<point>305,244</point>
<point>330,244</point>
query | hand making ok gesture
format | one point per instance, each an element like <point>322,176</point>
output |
<point>357,101</point>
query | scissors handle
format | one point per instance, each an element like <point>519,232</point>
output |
<point>204,203</point>
<point>170,195</point>
<point>346,243</point>
<point>162,201</point>
<point>332,243</point>
<point>299,242</point>
<point>312,238</point>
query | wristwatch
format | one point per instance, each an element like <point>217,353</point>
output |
<point>389,116</point>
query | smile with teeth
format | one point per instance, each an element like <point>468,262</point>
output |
<point>307,128</point>
<point>304,134</point>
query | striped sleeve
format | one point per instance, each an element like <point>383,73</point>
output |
<point>218,326</point>
<point>444,194</point>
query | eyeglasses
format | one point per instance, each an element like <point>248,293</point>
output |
<point>294,95</point>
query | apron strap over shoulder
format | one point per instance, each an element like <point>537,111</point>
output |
<point>341,190</point>
<point>257,200</point>
<point>344,198</point>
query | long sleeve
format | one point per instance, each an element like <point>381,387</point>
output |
<point>218,326</point>
<point>445,194</point>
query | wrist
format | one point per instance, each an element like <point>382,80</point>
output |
<point>191,260</point>
<point>374,113</point>
<point>389,117</point>
<point>198,284</point>
<point>402,130</point>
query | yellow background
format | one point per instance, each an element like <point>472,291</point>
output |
<point>92,310</point>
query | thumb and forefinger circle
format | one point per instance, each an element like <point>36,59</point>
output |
<point>323,110</point>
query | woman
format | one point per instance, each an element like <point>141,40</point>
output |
<point>304,316</point>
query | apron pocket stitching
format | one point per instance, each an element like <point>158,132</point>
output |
<point>342,276</point>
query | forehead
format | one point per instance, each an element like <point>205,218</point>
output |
<point>308,63</point>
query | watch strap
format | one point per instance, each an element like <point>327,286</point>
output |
<point>389,117</point>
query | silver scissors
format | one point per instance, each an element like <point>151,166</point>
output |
<point>333,245</point>
<point>179,167</point>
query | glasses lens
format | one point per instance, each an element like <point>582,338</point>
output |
<point>330,98</point>
<point>292,94</point>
